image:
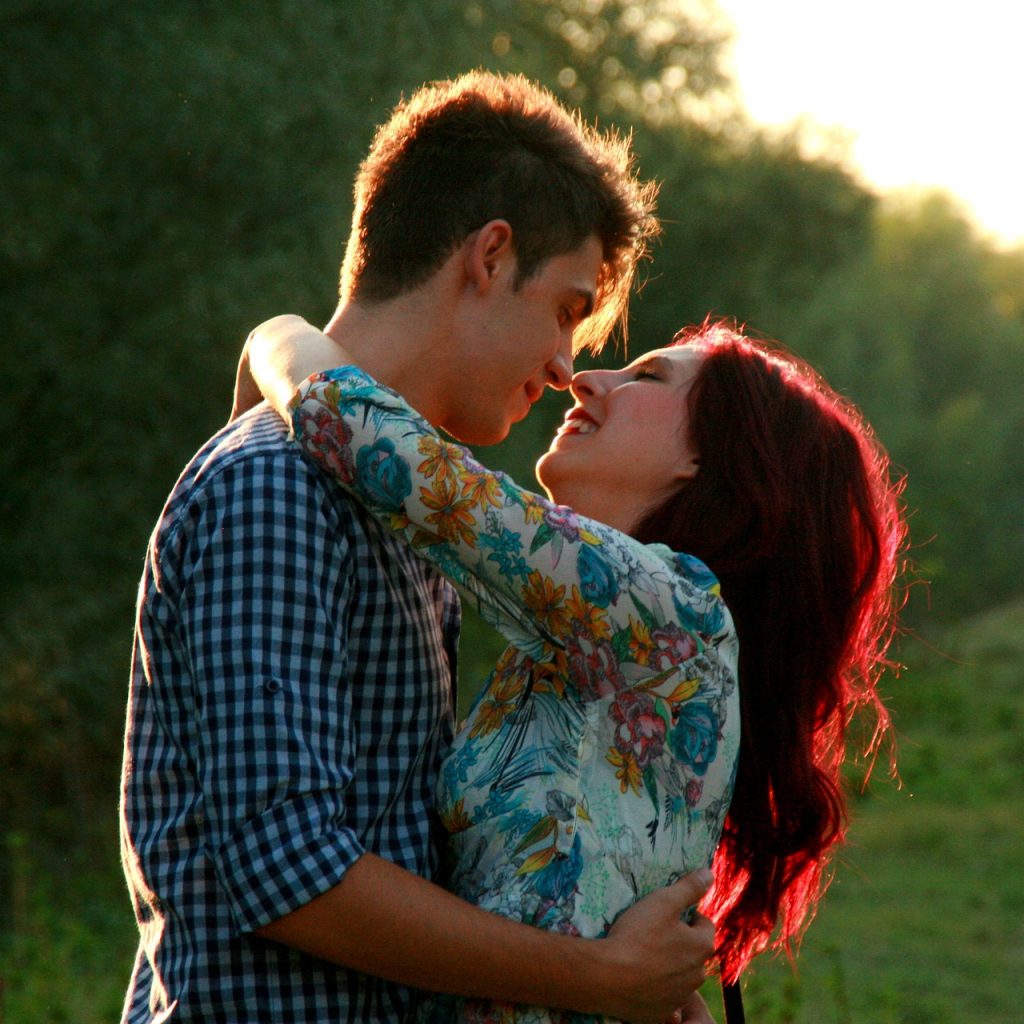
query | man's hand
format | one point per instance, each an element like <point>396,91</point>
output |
<point>694,1012</point>
<point>661,959</point>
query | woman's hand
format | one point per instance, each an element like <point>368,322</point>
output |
<point>277,357</point>
<point>247,392</point>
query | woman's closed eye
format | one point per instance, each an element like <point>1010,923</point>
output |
<point>646,373</point>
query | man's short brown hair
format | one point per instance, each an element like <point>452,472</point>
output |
<point>460,153</point>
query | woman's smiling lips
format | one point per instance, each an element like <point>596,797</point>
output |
<point>578,421</point>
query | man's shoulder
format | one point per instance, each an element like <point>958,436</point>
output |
<point>254,445</point>
<point>260,436</point>
<point>249,467</point>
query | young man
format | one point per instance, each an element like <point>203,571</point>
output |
<point>291,686</point>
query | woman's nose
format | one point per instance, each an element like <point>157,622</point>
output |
<point>590,383</point>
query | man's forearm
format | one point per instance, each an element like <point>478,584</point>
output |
<point>382,920</point>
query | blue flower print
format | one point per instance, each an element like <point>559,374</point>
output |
<point>695,570</point>
<point>457,764</point>
<point>706,621</point>
<point>352,399</point>
<point>505,802</point>
<point>598,583</point>
<point>558,880</point>
<point>694,738</point>
<point>506,548</point>
<point>384,475</point>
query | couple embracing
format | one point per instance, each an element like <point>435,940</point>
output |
<point>693,611</point>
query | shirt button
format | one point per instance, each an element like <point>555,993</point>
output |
<point>272,685</point>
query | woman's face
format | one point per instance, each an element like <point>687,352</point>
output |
<point>625,445</point>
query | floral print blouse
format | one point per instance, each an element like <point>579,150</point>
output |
<point>597,762</point>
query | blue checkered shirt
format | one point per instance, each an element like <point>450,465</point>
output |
<point>290,702</point>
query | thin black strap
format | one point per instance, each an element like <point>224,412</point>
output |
<point>733,999</point>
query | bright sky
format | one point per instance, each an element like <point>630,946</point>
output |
<point>932,93</point>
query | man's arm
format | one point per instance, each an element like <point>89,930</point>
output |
<point>382,920</point>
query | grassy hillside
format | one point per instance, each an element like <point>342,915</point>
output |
<point>924,923</point>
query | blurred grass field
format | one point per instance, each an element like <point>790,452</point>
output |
<point>924,923</point>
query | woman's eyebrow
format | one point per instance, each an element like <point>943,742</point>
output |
<point>658,363</point>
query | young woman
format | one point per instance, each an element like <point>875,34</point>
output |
<point>712,490</point>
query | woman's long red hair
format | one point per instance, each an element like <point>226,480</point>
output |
<point>795,510</point>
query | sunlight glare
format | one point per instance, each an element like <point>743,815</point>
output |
<point>925,91</point>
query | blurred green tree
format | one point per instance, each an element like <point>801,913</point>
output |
<point>174,174</point>
<point>924,331</point>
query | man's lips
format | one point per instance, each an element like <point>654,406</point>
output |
<point>533,393</point>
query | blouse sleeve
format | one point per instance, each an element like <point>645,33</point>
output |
<point>535,570</point>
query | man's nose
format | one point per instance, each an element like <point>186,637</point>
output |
<point>560,367</point>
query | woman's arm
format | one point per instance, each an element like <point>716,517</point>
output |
<point>278,356</point>
<point>535,569</point>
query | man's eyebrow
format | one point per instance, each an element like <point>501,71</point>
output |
<point>588,301</point>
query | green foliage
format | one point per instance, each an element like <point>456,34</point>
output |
<point>68,945</point>
<point>924,332</point>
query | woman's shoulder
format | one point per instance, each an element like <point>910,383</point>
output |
<point>688,568</point>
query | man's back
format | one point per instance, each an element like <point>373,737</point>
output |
<point>290,700</point>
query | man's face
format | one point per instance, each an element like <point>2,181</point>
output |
<point>513,343</point>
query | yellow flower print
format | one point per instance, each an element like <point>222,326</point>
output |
<point>330,395</point>
<point>456,819</point>
<point>443,460</point>
<point>482,489</point>
<point>640,642</point>
<point>533,510</point>
<point>683,692</point>
<point>398,521</point>
<point>681,689</point>
<point>502,697</point>
<point>488,718</point>
<point>550,673</point>
<point>452,516</point>
<point>545,600</point>
<point>591,618</point>
<point>627,771</point>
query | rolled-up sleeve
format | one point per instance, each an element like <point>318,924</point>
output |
<point>266,580</point>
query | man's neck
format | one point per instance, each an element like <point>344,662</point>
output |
<point>401,343</point>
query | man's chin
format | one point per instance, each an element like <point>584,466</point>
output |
<point>479,434</point>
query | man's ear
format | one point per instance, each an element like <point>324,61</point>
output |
<point>489,253</point>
